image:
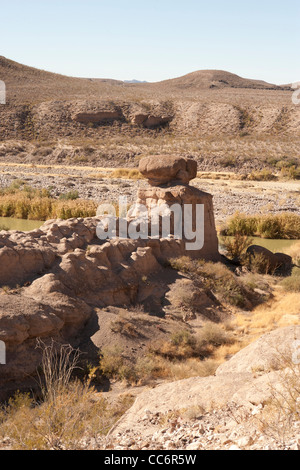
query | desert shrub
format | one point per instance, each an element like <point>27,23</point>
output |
<point>69,423</point>
<point>113,365</point>
<point>124,327</point>
<point>236,247</point>
<point>185,296</point>
<point>263,175</point>
<point>40,206</point>
<point>215,277</point>
<point>240,224</point>
<point>213,334</point>
<point>291,172</point>
<point>70,413</point>
<point>259,264</point>
<point>70,196</point>
<point>282,411</point>
<point>292,283</point>
<point>228,161</point>
<point>183,345</point>
<point>181,355</point>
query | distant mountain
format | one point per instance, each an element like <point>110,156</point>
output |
<point>209,79</point>
<point>134,81</point>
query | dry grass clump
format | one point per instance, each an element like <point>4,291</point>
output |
<point>278,226</point>
<point>282,309</point>
<point>77,416</point>
<point>292,283</point>
<point>262,175</point>
<point>180,356</point>
<point>69,414</point>
<point>126,173</point>
<point>294,252</point>
<point>283,409</point>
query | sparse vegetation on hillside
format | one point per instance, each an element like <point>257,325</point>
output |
<point>68,416</point>
<point>216,277</point>
<point>183,354</point>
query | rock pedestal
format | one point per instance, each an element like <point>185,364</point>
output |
<point>169,178</point>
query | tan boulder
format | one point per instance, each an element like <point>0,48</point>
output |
<point>162,169</point>
<point>269,261</point>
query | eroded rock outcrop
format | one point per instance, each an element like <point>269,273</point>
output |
<point>169,177</point>
<point>57,276</point>
<point>97,113</point>
<point>25,255</point>
<point>150,121</point>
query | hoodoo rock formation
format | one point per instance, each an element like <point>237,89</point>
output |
<point>169,178</point>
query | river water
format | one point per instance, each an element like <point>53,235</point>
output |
<point>23,225</point>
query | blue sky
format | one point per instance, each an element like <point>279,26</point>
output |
<point>154,40</point>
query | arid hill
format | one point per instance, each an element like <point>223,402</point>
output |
<point>204,79</point>
<point>27,83</point>
<point>209,104</point>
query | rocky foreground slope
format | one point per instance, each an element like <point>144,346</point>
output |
<point>224,411</point>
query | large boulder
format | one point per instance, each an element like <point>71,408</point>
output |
<point>269,262</point>
<point>162,169</point>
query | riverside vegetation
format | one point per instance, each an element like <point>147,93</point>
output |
<point>22,201</point>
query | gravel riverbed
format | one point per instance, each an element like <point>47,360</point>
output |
<point>230,196</point>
